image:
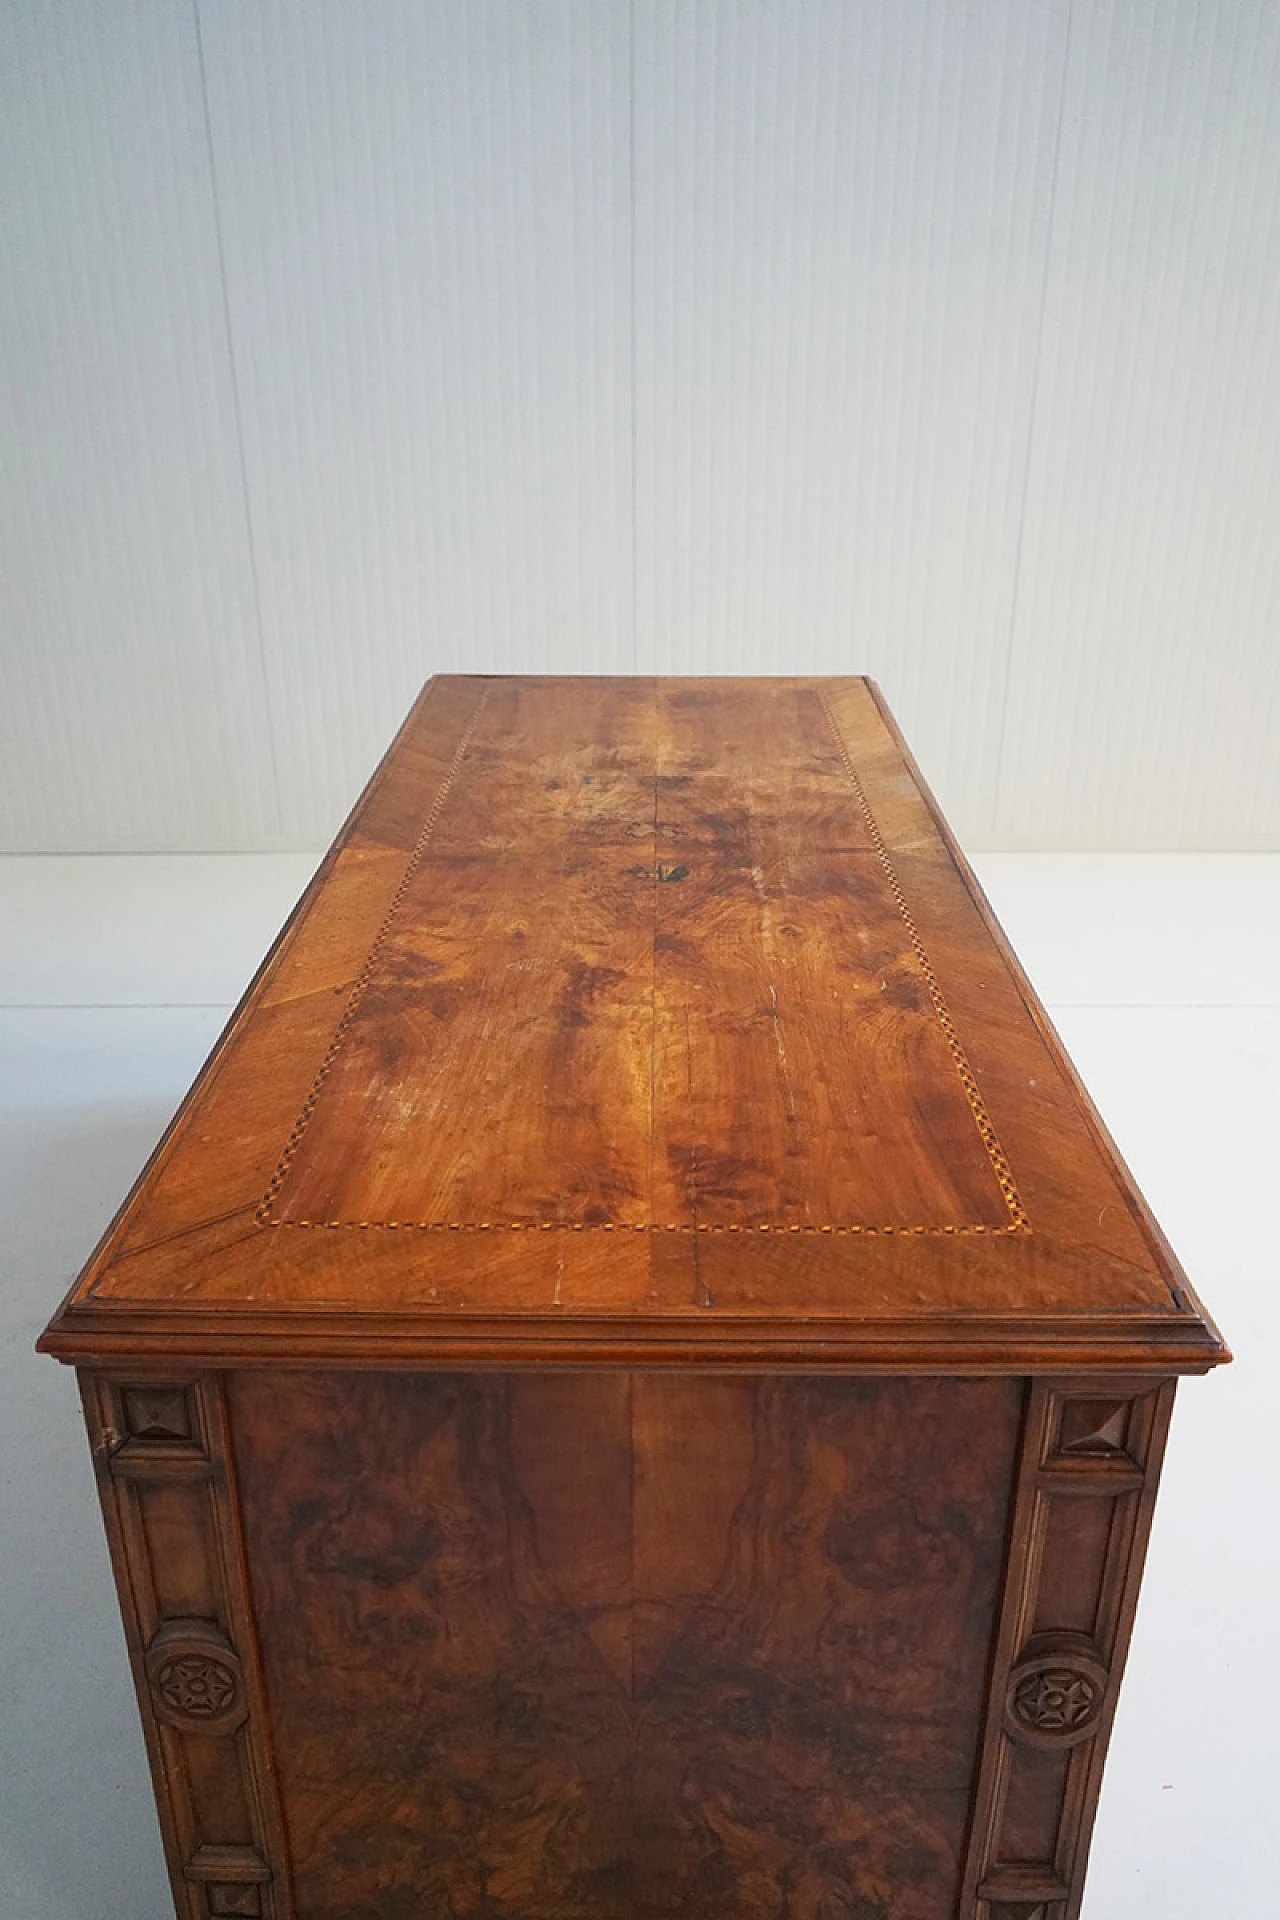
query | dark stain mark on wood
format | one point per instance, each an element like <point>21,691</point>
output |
<point>660,873</point>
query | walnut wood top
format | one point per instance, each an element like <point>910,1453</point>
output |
<point>633,1020</point>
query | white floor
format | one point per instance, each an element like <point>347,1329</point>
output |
<point>1164,975</point>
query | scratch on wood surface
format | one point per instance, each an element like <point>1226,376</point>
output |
<point>772,960</point>
<point>701,1291</point>
<point>781,1045</point>
<point>653,999</point>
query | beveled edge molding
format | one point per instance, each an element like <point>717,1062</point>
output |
<point>162,1460</point>
<point>132,1333</point>
<point>1053,1686</point>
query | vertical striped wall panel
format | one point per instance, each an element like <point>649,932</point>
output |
<point>425,223</point>
<point>344,343</point>
<point>842,217</point>
<point>1144,693</point>
<point>132,699</point>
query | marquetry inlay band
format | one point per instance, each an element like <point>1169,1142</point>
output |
<point>363,978</point>
<point>1018,1221</point>
<point>990,1139</point>
<point>779,1228</point>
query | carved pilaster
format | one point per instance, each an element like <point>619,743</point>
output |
<point>168,1498</point>
<point>1086,1486</point>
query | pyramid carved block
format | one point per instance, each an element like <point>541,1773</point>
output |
<point>158,1413</point>
<point>1094,1427</point>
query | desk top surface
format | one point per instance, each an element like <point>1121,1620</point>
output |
<point>640,1021</point>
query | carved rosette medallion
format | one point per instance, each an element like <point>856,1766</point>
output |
<point>1056,1691</point>
<point>195,1678</point>
<point>199,1688</point>
<point>1058,1700</point>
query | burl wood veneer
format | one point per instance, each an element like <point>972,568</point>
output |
<point>634,1385</point>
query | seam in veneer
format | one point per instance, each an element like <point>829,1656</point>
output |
<point>1018,1222</point>
<point>990,1139</point>
<point>264,1213</point>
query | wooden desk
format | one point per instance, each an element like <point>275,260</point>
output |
<point>634,1385</point>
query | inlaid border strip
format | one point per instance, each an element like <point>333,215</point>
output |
<point>265,1216</point>
<point>990,1139</point>
<point>1018,1220</point>
<point>780,1228</point>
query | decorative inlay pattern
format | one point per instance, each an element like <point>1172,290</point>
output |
<point>358,991</point>
<point>1018,1220</point>
<point>643,1226</point>
<point>995,1152</point>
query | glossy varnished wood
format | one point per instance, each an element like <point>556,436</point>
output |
<point>627,1642</point>
<point>629,1646</point>
<point>639,1020</point>
<point>664,964</point>
<point>635,1384</point>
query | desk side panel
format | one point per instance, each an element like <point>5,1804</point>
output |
<point>626,1644</point>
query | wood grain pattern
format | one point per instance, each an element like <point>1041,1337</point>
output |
<point>625,1644</point>
<point>631,1020</point>
<point>677,927</point>
<point>170,1505</point>
<point>635,1384</point>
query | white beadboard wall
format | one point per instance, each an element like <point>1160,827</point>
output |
<point>340,344</point>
